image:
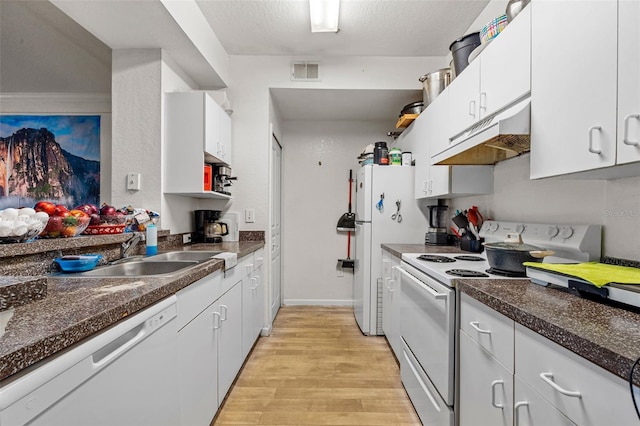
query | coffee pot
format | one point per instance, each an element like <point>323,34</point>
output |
<point>214,231</point>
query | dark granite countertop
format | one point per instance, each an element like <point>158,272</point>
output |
<point>398,249</point>
<point>607,335</point>
<point>76,307</point>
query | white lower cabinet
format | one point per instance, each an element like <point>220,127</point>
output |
<point>486,365</point>
<point>486,387</point>
<point>532,409</point>
<point>198,351</point>
<point>230,355</point>
<point>549,385</point>
<point>212,319</point>
<point>585,393</point>
<point>391,302</point>
<point>253,308</point>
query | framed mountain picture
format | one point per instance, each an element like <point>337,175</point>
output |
<point>49,157</point>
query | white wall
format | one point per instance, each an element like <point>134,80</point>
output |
<point>614,204</point>
<point>317,158</point>
<point>36,57</point>
<point>251,79</point>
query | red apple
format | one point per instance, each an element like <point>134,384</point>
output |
<point>107,210</point>
<point>45,206</point>
<point>85,208</point>
<point>95,219</point>
<point>54,226</point>
<point>59,209</point>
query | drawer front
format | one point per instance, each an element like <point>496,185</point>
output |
<point>429,405</point>
<point>582,391</point>
<point>490,329</point>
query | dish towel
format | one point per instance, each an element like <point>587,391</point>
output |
<point>599,274</point>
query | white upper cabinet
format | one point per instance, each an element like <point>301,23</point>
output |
<point>197,131</point>
<point>499,76</point>
<point>426,134</point>
<point>628,82</point>
<point>573,86</point>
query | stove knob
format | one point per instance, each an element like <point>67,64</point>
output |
<point>519,229</point>
<point>552,231</point>
<point>566,232</point>
<point>493,227</point>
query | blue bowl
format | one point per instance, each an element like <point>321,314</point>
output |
<point>78,263</point>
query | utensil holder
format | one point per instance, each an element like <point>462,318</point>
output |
<point>471,245</point>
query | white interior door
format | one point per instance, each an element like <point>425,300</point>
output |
<point>276,218</point>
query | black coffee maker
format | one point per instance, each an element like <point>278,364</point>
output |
<point>205,220</point>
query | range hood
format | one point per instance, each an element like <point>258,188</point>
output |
<point>498,137</point>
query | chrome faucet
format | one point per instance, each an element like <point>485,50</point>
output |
<point>129,245</point>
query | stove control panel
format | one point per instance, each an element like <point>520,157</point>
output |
<point>576,242</point>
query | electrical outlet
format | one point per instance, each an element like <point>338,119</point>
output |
<point>249,215</point>
<point>133,181</point>
<point>186,238</point>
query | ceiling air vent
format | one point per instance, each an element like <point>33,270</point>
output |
<point>305,71</point>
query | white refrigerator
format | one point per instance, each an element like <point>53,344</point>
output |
<point>378,188</point>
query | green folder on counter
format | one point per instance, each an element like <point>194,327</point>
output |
<point>599,274</point>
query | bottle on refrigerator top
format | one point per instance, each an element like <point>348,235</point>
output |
<point>381,154</point>
<point>395,156</point>
<point>152,240</point>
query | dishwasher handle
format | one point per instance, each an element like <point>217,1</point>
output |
<point>112,350</point>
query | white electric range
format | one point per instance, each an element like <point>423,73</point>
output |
<point>428,301</point>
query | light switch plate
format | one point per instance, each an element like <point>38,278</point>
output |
<point>249,215</point>
<point>133,181</point>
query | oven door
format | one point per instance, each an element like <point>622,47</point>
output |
<point>427,325</point>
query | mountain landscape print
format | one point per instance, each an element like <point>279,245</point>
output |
<point>49,157</point>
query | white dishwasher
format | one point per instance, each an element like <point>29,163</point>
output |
<point>126,375</point>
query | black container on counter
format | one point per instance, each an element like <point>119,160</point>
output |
<point>381,154</point>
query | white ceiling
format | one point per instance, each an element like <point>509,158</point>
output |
<point>367,27</point>
<point>406,28</point>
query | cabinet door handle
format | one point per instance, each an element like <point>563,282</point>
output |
<point>472,108</point>
<point>546,377</point>
<point>216,320</point>
<point>516,406</point>
<point>483,101</point>
<point>476,327</point>
<point>493,393</point>
<point>223,308</point>
<point>625,139</point>
<point>591,148</point>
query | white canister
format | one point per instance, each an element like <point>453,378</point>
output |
<point>407,158</point>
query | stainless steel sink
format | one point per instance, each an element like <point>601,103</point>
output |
<point>196,256</point>
<point>139,268</point>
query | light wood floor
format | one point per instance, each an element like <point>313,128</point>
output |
<point>316,368</point>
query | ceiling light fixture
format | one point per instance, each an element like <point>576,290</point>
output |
<point>324,15</point>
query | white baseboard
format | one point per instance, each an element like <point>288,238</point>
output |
<point>317,302</point>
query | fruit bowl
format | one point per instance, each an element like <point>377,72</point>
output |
<point>104,229</point>
<point>65,227</point>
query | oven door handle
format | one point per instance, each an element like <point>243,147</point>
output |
<point>422,285</point>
